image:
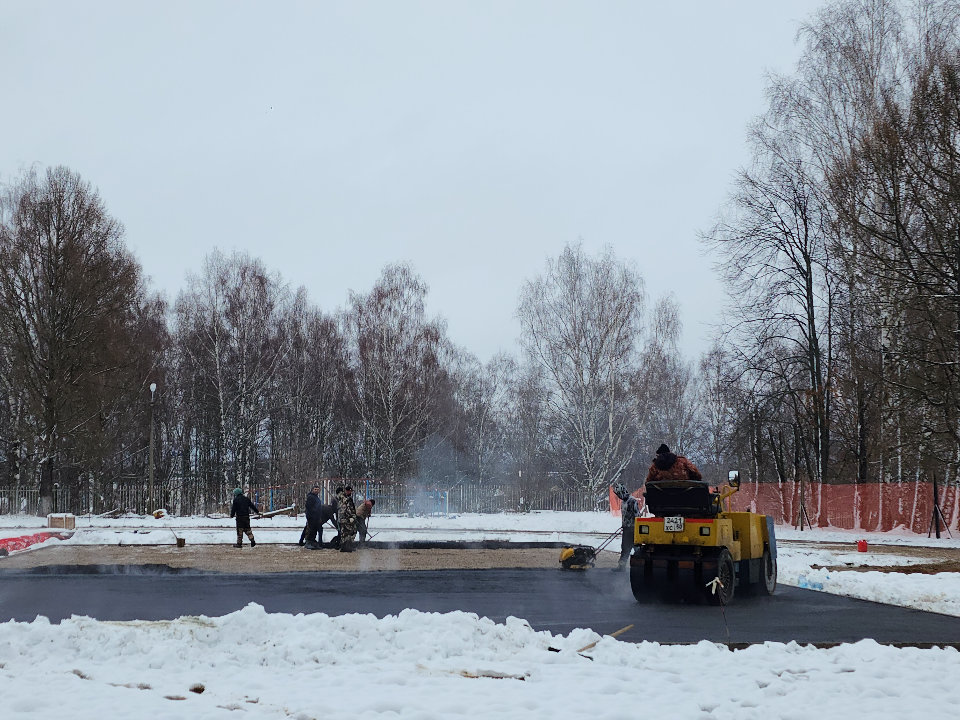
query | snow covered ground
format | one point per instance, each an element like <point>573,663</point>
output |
<point>935,593</point>
<point>252,664</point>
<point>468,526</point>
<point>419,665</point>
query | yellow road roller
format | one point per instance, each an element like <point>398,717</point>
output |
<point>695,548</point>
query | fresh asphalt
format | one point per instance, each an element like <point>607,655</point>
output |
<point>548,599</point>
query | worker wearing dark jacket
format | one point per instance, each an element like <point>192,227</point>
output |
<point>328,514</point>
<point>667,466</point>
<point>313,518</point>
<point>242,505</point>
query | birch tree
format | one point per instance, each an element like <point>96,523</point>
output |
<point>396,358</point>
<point>232,330</point>
<point>582,321</point>
<point>481,396</point>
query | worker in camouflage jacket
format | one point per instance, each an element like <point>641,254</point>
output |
<point>347,518</point>
<point>668,466</point>
<point>629,512</point>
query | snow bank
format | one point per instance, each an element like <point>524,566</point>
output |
<point>938,593</point>
<point>900,536</point>
<point>421,665</point>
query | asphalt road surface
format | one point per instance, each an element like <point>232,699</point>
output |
<point>549,599</point>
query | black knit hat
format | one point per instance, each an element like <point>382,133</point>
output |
<point>663,450</point>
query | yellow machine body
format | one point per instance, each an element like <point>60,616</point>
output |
<point>577,557</point>
<point>694,546</point>
<point>744,534</point>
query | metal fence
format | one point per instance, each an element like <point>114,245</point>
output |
<point>24,501</point>
<point>123,496</point>
<point>394,498</point>
<point>413,499</point>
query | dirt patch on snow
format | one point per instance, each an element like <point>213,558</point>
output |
<point>936,559</point>
<point>290,558</point>
<point>934,554</point>
<point>952,566</point>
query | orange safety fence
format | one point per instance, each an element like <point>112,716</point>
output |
<point>872,507</point>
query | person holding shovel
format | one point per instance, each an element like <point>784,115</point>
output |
<point>325,514</point>
<point>328,514</point>
<point>629,511</point>
<point>242,505</point>
<point>363,516</point>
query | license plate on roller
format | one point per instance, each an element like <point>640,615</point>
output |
<point>673,524</point>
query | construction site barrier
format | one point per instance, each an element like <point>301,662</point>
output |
<point>869,507</point>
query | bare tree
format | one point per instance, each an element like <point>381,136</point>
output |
<point>529,431</point>
<point>398,373</point>
<point>906,180</point>
<point>839,249</point>
<point>69,296</point>
<point>774,246</point>
<point>233,335</point>
<point>665,384</point>
<point>312,411</point>
<point>717,406</point>
<point>481,395</point>
<point>582,321</point>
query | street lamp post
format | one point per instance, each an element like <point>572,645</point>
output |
<point>153,389</point>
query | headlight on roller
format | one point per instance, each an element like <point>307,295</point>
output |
<point>644,529</point>
<point>705,530</point>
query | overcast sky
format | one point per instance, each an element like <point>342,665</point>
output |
<point>471,139</point>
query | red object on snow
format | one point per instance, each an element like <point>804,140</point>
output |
<point>24,541</point>
<point>861,545</point>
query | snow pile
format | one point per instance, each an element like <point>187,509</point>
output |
<point>806,555</point>
<point>422,665</point>
<point>938,593</point>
